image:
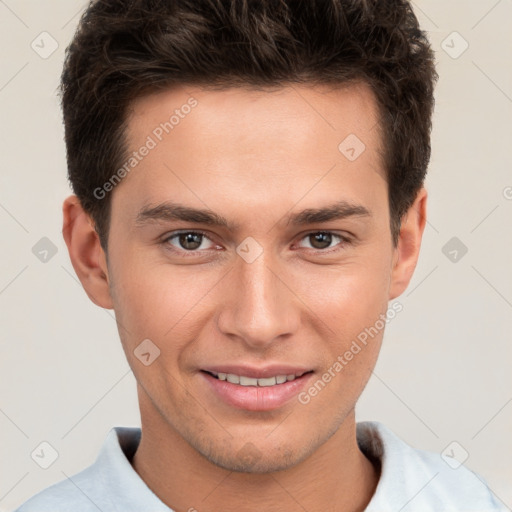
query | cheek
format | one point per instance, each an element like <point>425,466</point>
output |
<point>351,306</point>
<point>156,300</point>
<point>349,297</point>
<point>349,302</point>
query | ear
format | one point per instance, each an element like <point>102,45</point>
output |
<point>86,253</point>
<point>409,242</point>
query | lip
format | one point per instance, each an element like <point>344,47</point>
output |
<point>256,398</point>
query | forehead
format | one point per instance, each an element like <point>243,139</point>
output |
<point>223,112</point>
<point>249,144</point>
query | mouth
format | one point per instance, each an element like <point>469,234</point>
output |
<point>265,390</point>
<point>244,380</point>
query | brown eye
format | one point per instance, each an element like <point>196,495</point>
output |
<point>320,240</point>
<point>190,241</point>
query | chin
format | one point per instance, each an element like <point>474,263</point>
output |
<point>252,459</point>
<point>261,465</point>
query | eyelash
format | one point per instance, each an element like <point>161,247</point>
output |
<point>344,240</point>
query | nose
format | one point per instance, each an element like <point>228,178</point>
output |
<point>259,304</point>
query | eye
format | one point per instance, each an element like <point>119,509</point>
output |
<point>321,240</point>
<point>190,241</point>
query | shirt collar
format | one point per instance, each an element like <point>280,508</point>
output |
<point>127,492</point>
<point>117,477</point>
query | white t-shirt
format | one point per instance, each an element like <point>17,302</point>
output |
<point>411,480</point>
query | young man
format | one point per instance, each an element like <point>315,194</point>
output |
<point>249,199</point>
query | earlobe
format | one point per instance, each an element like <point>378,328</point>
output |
<point>85,252</point>
<point>409,243</point>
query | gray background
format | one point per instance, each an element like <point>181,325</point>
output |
<point>443,374</point>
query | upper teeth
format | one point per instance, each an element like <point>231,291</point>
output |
<point>250,381</point>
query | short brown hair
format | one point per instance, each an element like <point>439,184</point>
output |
<point>125,48</point>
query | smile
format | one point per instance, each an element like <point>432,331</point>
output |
<point>262,393</point>
<point>243,380</point>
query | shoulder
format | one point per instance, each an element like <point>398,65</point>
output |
<point>109,484</point>
<point>416,480</point>
<point>99,485</point>
<point>73,493</point>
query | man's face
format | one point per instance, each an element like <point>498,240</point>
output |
<point>265,295</point>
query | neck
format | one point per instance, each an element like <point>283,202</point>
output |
<point>334,478</point>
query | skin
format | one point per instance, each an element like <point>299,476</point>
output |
<point>254,157</point>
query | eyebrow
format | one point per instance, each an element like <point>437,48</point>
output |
<point>170,211</point>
